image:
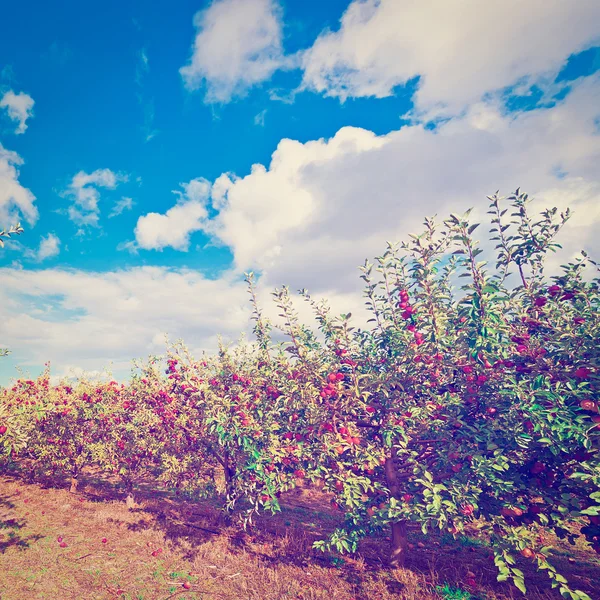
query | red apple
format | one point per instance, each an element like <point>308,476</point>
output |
<point>589,404</point>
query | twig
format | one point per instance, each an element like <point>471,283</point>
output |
<point>213,531</point>
<point>108,587</point>
<point>199,592</point>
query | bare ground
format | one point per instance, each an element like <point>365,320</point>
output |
<point>152,550</point>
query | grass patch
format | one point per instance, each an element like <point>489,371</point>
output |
<point>152,551</point>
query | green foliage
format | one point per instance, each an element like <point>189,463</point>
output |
<point>472,400</point>
<point>14,230</point>
<point>451,593</point>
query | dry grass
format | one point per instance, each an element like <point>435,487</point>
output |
<point>273,561</point>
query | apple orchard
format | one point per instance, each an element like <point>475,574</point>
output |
<point>473,399</point>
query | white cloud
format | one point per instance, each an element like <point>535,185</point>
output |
<point>156,231</point>
<point>322,207</point>
<point>86,320</point>
<point>75,373</point>
<point>48,248</point>
<point>260,211</point>
<point>83,189</point>
<point>259,119</point>
<point>16,201</point>
<point>128,245</point>
<point>238,45</point>
<point>19,107</point>
<point>460,50</point>
<point>308,220</point>
<point>121,205</point>
<point>147,103</point>
<point>142,67</point>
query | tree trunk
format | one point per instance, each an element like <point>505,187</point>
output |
<point>129,499</point>
<point>74,480</point>
<point>229,472</point>
<point>225,517</point>
<point>31,473</point>
<point>229,476</point>
<point>399,541</point>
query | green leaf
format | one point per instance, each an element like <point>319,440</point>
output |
<point>520,584</point>
<point>594,511</point>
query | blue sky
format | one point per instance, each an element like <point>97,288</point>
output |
<point>374,113</point>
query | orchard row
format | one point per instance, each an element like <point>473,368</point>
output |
<point>473,398</point>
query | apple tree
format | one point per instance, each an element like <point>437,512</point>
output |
<point>464,404</point>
